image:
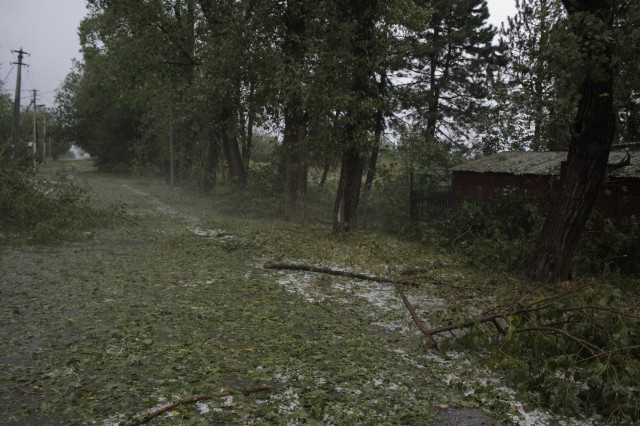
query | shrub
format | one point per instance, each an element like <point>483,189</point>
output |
<point>38,211</point>
<point>610,247</point>
<point>499,233</point>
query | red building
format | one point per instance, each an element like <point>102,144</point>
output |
<point>539,174</point>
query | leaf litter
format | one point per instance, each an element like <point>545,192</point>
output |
<point>173,310</point>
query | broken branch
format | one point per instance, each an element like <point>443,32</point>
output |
<point>349,274</point>
<point>193,400</point>
<point>415,317</point>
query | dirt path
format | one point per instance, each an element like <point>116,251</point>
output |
<point>173,302</point>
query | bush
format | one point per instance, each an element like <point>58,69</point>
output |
<point>609,247</point>
<point>39,211</point>
<point>498,234</point>
<point>590,366</point>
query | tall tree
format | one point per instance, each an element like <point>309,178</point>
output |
<point>449,61</point>
<point>5,120</point>
<point>359,59</point>
<point>294,158</point>
<point>538,98</point>
<point>595,28</point>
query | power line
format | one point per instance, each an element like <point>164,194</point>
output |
<point>9,73</point>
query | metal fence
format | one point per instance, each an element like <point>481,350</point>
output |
<point>430,204</point>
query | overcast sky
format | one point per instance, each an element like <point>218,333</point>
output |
<point>47,30</point>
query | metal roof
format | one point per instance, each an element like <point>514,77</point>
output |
<point>542,163</point>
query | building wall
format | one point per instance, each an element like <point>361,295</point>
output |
<point>484,186</point>
<point>617,200</point>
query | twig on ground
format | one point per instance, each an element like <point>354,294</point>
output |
<point>193,400</point>
<point>31,392</point>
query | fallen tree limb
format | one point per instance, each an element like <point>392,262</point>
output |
<point>430,332</point>
<point>349,274</point>
<point>193,400</point>
<point>415,316</point>
<point>501,318</point>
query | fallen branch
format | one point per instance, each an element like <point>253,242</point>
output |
<point>193,400</point>
<point>32,392</point>
<point>415,317</point>
<point>500,318</point>
<point>349,274</point>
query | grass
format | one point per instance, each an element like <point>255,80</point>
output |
<point>161,306</point>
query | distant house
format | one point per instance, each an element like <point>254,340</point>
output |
<point>539,174</point>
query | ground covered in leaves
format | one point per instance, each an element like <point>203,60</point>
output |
<point>173,301</point>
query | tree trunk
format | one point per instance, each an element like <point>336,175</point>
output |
<point>294,157</point>
<point>591,138</point>
<point>345,212</point>
<point>247,144</point>
<point>295,168</point>
<point>325,169</point>
<point>373,159</point>
<point>213,158</point>
<point>359,116</point>
<point>237,172</point>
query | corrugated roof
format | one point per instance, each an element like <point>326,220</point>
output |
<point>542,163</point>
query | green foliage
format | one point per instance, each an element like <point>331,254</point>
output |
<point>609,247</point>
<point>37,210</point>
<point>498,234</point>
<point>450,58</point>
<point>574,350</point>
<point>6,118</point>
<point>389,200</point>
<point>590,365</point>
<point>533,94</point>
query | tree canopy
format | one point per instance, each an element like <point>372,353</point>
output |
<point>185,86</point>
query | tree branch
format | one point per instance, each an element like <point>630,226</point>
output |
<point>193,400</point>
<point>349,274</point>
<point>415,317</point>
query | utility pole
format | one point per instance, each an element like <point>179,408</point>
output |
<point>15,134</point>
<point>171,149</point>
<point>44,137</point>
<point>35,130</point>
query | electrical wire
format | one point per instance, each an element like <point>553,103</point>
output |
<point>9,73</point>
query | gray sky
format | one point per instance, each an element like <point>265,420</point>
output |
<point>47,29</point>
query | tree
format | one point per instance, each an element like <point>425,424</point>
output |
<point>538,97</point>
<point>449,61</point>
<point>359,59</point>
<point>595,27</point>
<point>294,162</point>
<point>6,120</point>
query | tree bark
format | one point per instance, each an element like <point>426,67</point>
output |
<point>591,138</point>
<point>237,172</point>
<point>345,212</point>
<point>326,166</point>
<point>359,114</point>
<point>373,158</point>
<point>294,158</point>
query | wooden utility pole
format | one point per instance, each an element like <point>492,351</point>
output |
<point>15,133</point>
<point>171,147</point>
<point>44,137</point>
<point>35,130</point>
